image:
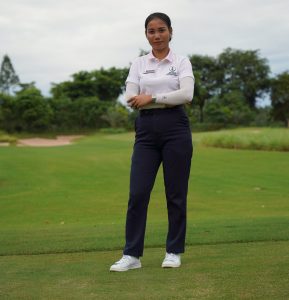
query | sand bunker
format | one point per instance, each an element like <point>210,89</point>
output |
<point>60,140</point>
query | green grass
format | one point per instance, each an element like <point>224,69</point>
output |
<point>271,139</point>
<point>230,271</point>
<point>62,216</point>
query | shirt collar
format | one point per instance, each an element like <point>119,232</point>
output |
<point>169,57</point>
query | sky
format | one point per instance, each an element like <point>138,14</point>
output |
<point>50,40</point>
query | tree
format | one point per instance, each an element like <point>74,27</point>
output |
<point>8,76</point>
<point>88,111</point>
<point>107,85</point>
<point>25,86</point>
<point>280,97</point>
<point>63,117</point>
<point>245,71</point>
<point>206,74</point>
<point>8,115</point>
<point>33,111</point>
<point>116,116</point>
<point>231,109</point>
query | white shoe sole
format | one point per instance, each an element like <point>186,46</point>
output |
<point>117,269</point>
<point>168,265</point>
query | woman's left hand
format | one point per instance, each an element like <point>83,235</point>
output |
<point>139,101</point>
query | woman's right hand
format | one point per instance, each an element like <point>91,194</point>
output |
<point>139,101</point>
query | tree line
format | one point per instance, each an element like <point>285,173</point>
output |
<point>228,88</point>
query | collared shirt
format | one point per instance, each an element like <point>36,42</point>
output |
<point>154,76</point>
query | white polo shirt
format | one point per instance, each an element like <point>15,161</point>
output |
<point>154,76</point>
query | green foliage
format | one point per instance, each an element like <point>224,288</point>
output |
<point>234,74</point>
<point>33,111</point>
<point>63,115</point>
<point>81,113</point>
<point>88,112</point>
<point>8,76</point>
<point>243,71</point>
<point>280,98</point>
<point>231,109</point>
<point>8,114</point>
<point>263,117</point>
<point>206,74</point>
<point>116,116</point>
<point>226,89</point>
<point>29,111</point>
<point>107,85</point>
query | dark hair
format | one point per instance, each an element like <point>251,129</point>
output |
<point>158,15</point>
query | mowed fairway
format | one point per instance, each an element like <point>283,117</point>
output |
<point>62,216</point>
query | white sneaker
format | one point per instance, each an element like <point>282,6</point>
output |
<point>127,262</point>
<point>172,260</point>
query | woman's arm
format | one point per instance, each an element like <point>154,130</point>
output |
<point>131,90</point>
<point>183,95</point>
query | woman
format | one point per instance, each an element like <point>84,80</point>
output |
<point>158,84</point>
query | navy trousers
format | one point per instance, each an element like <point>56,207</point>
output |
<point>162,136</point>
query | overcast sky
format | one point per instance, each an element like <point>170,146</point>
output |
<point>49,40</point>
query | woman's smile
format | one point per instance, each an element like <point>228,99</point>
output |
<point>158,35</point>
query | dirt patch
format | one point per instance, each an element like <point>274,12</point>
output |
<point>60,140</point>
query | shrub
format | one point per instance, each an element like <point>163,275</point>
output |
<point>32,110</point>
<point>8,116</point>
<point>230,109</point>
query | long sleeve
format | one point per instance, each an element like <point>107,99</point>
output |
<point>132,89</point>
<point>183,95</point>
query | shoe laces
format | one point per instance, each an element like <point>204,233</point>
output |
<point>172,256</point>
<point>124,259</point>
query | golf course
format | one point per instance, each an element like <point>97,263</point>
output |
<point>62,219</point>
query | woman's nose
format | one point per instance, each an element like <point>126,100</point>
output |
<point>157,35</point>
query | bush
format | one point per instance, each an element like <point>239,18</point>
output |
<point>62,114</point>
<point>8,116</point>
<point>87,112</point>
<point>230,109</point>
<point>83,113</point>
<point>116,116</point>
<point>262,117</point>
<point>32,110</point>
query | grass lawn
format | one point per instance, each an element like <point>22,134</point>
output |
<point>62,215</point>
<point>271,139</point>
<point>227,271</point>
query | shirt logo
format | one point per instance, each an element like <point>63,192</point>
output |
<point>149,71</point>
<point>172,71</point>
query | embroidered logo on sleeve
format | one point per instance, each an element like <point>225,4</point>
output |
<point>172,71</point>
<point>149,71</point>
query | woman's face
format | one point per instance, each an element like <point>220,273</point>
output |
<point>158,34</point>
